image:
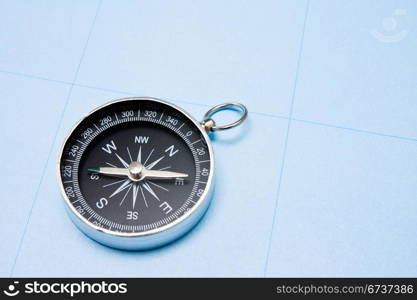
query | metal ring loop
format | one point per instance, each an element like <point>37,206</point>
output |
<point>209,123</point>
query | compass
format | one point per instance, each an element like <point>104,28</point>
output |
<point>137,173</point>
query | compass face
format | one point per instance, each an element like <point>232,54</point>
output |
<point>135,166</point>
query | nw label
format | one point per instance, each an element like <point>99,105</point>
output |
<point>141,139</point>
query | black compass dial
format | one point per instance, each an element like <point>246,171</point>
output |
<point>134,166</point>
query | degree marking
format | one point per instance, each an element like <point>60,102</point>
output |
<point>180,126</point>
<point>81,142</point>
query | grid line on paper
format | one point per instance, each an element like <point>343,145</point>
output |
<point>284,153</point>
<point>356,130</point>
<point>72,84</point>
<point>268,115</point>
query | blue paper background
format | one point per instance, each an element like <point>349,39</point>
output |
<point>321,180</point>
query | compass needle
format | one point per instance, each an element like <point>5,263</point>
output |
<point>111,171</point>
<point>157,174</point>
<point>133,150</point>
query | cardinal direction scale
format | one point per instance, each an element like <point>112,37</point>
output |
<point>137,173</point>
